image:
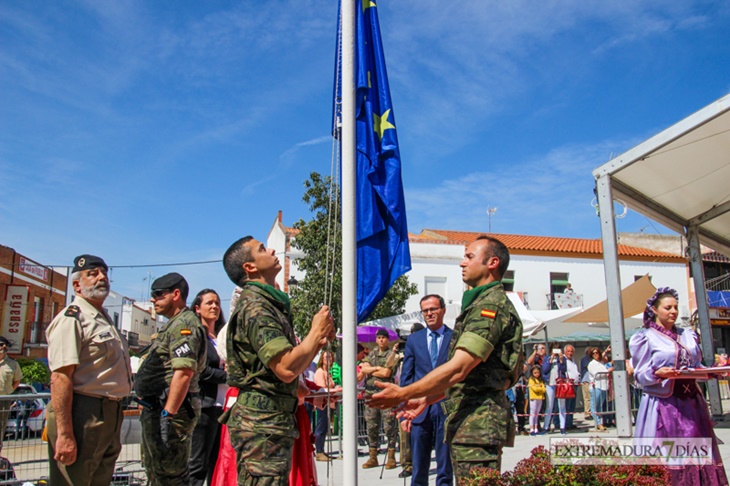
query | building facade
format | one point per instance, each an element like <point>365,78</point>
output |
<point>32,294</point>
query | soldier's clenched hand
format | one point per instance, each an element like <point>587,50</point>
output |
<point>323,326</point>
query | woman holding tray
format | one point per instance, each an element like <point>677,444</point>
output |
<point>670,406</point>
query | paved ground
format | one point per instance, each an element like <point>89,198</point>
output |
<point>511,455</point>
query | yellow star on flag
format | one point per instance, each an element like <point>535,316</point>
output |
<point>367,4</point>
<point>381,123</point>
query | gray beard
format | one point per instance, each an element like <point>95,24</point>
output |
<point>97,292</point>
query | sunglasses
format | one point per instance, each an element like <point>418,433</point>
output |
<point>156,294</point>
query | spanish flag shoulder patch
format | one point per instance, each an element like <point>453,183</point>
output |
<point>489,313</point>
<point>185,332</point>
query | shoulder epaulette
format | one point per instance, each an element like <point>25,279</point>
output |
<point>72,311</point>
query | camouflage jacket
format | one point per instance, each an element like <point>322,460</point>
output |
<point>180,344</point>
<point>259,330</point>
<point>378,358</point>
<point>477,407</point>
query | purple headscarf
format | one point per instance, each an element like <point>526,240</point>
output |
<point>649,314</point>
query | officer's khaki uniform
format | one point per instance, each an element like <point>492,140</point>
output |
<point>9,373</point>
<point>180,344</point>
<point>84,337</point>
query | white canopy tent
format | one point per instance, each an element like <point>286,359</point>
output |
<point>532,324</point>
<point>678,178</point>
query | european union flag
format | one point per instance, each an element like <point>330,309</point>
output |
<point>383,254</point>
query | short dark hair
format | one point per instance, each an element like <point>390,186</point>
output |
<point>233,259</point>
<point>499,250</point>
<point>442,302</point>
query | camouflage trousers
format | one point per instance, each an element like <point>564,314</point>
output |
<point>464,458</point>
<point>168,465</point>
<point>373,416</point>
<point>264,442</point>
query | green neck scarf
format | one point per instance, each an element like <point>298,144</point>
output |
<point>471,295</point>
<point>278,295</point>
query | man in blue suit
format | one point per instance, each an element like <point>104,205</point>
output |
<point>425,350</point>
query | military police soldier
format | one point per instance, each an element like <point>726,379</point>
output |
<point>378,367</point>
<point>264,363</point>
<point>90,375</point>
<point>484,361</point>
<point>167,384</point>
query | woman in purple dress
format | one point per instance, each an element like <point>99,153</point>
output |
<point>672,407</point>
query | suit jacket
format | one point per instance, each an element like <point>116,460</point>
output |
<point>417,362</point>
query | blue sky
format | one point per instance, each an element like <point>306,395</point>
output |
<point>160,132</point>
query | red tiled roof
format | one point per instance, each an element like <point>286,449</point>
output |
<point>540,244</point>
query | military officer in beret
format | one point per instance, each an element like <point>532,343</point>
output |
<point>264,363</point>
<point>90,375</point>
<point>167,383</point>
<point>484,361</point>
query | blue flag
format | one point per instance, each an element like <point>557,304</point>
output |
<point>383,254</point>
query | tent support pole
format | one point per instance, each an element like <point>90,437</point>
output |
<point>708,351</point>
<point>622,395</point>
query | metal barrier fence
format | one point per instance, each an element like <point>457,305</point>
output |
<point>27,453</point>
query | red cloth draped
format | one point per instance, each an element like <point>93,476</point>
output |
<point>303,472</point>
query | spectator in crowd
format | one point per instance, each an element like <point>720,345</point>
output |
<point>553,368</point>
<point>672,405</point>
<point>426,350</point>
<point>568,289</point>
<point>90,375</point>
<point>521,403</point>
<point>538,354</point>
<point>585,383</point>
<point>376,367</point>
<point>599,387</point>
<point>213,388</point>
<point>10,376</point>
<point>610,417</point>
<point>537,395</point>
<point>323,379</point>
<point>574,375</point>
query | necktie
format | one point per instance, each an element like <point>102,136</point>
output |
<point>434,348</point>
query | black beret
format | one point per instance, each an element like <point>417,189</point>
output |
<point>382,332</point>
<point>5,341</point>
<point>87,262</point>
<point>171,281</point>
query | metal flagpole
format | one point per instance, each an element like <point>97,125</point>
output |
<point>349,243</point>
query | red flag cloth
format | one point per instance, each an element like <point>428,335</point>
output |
<point>303,472</point>
<point>226,473</point>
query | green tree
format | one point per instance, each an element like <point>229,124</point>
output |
<point>320,241</point>
<point>34,371</point>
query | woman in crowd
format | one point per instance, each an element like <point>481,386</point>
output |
<point>670,406</point>
<point>599,390</point>
<point>206,436</point>
<point>553,368</point>
<point>323,379</point>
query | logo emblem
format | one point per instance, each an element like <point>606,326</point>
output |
<point>82,262</point>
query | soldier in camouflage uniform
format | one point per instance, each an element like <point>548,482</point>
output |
<point>484,361</point>
<point>264,363</point>
<point>378,367</point>
<point>167,383</point>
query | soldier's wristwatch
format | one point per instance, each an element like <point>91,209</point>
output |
<point>165,414</point>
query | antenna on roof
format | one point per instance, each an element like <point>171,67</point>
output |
<point>490,212</point>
